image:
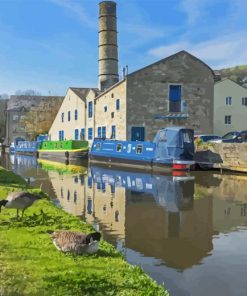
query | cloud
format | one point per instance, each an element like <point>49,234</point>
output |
<point>77,10</point>
<point>218,52</point>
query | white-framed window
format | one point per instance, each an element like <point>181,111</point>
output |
<point>228,119</point>
<point>244,101</point>
<point>228,100</point>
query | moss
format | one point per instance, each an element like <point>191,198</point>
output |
<point>31,265</point>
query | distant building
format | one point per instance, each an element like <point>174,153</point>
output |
<point>230,107</point>
<point>3,108</point>
<point>28,116</point>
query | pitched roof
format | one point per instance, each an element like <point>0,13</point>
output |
<point>83,92</point>
<point>171,57</point>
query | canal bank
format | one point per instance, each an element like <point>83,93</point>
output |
<point>31,265</point>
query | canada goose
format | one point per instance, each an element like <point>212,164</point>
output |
<point>76,242</point>
<point>19,201</point>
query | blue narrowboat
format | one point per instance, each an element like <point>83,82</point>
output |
<point>30,147</point>
<point>171,149</point>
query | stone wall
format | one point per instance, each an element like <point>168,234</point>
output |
<point>232,156</point>
<point>3,108</point>
<point>148,95</point>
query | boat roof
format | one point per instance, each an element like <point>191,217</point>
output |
<point>175,128</point>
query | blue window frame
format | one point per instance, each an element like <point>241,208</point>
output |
<point>113,132</point>
<point>103,132</point>
<point>118,104</point>
<point>174,98</point>
<point>61,135</point>
<point>76,114</point>
<point>68,115</point>
<point>99,132</point>
<point>82,134</point>
<point>90,134</point>
<point>90,109</point>
<point>76,134</point>
<point>62,117</point>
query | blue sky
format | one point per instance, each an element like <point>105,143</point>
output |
<point>49,45</point>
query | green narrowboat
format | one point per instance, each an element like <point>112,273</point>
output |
<point>70,150</point>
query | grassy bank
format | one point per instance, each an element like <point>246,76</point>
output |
<point>31,265</point>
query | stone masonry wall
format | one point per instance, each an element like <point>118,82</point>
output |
<point>148,94</point>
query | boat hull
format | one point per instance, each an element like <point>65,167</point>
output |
<point>64,155</point>
<point>137,164</point>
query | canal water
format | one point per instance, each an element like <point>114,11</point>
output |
<point>186,231</point>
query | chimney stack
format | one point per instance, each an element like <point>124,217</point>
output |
<point>108,47</point>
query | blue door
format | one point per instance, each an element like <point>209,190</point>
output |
<point>137,133</point>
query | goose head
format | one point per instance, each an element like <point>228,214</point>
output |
<point>2,203</point>
<point>93,237</point>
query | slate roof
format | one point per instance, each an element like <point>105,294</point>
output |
<point>82,92</point>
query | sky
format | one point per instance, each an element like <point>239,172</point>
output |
<point>50,45</point>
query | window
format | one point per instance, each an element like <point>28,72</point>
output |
<point>90,109</point>
<point>90,134</point>
<point>75,196</point>
<point>103,132</point>
<point>15,117</point>
<point>98,146</point>
<point>118,104</point>
<point>76,114</point>
<point>105,108</point>
<point>112,115</point>
<point>119,147</point>
<point>68,115</point>
<point>112,95</point>
<point>174,98</point>
<point>62,117</point>
<point>76,134</point>
<point>162,137</point>
<point>129,148</point>
<point>113,132</point>
<point>68,195</point>
<point>76,179</point>
<point>228,119</point>
<point>244,101</point>
<point>82,135</point>
<point>62,135</point>
<point>228,100</point>
<point>90,182</point>
<point>99,132</point>
<point>139,149</point>
<point>59,135</point>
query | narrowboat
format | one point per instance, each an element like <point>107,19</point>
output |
<point>29,147</point>
<point>172,149</point>
<point>68,150</point>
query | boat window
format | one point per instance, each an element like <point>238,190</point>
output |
<point>187,137</point>
<point>97,146</point>
<point>129,148</point>
<point>119,147</point>
<point>139,149</point>
<point>163,137</point>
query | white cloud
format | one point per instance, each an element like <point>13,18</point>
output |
<point>218,52</point>
<point>77,10</point>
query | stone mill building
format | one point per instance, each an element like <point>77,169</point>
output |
<point>177,90</point>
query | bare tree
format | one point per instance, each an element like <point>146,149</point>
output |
<point>27,92</point>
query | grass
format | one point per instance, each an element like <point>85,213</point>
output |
<point>31,265</point>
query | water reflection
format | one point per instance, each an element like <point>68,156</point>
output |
<point>187,231</point>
